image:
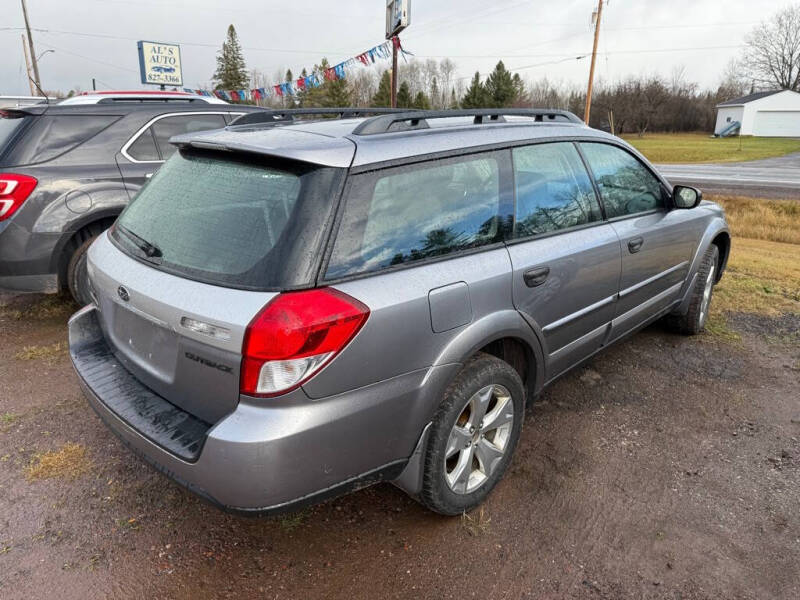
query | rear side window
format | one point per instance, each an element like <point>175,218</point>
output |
<point>144,148</point>
<point>53,135</point>
<point>553,189</point>
<point>165,128</point>
<point>401,215</point>
<point>626,186</point>
<point>228,221</point>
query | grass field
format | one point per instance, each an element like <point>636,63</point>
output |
<point>763,274</point>
<point>699,147</point>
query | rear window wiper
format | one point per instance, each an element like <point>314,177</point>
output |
<point>150,250</point>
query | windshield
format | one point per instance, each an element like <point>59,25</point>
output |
<point>229,221</point>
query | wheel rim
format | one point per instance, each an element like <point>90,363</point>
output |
<point>479,439</point>
<point>706,296</point>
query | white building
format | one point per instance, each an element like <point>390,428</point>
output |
<point>772,114</point>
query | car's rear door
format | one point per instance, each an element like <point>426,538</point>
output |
<point>149,147</point>
<point>656,243</point>
<point>566,260</point>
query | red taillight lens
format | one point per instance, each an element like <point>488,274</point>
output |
<point>294,336</point>
<point>14,190</point>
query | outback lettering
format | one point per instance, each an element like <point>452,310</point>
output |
<point>209,363</point>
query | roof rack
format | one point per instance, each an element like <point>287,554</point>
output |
<point>410,120</point>
<point>277,115</point>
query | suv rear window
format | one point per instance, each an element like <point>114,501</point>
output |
<point>52,135</point>
<point>230,221</point>
<point>410,213</point>
<point>10,123</point>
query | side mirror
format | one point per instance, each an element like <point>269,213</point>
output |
<point>684,196</point>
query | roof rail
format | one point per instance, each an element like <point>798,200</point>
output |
<point>277,115</point>
<point>419,119</point>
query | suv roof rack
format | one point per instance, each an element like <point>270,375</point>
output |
<point>277,115</point>
<point>409,120</point>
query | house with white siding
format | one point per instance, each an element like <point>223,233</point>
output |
<point>770,114</point>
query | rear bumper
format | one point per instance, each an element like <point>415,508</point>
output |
<point>25,260</point>
<point>266,456</point>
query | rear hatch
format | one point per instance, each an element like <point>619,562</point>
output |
<point>195,256</point>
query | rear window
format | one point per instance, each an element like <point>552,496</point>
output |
<point>411,213</point>
<point>10,123</point>
<point>229,221</point>
<point>53,135</point>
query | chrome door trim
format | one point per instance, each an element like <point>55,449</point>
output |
<point>650,280</point>
<point>579,313</point>
<point>144,128</point>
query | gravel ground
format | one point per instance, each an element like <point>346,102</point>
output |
<point>668,467</point>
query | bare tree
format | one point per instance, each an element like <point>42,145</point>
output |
<point>772,57</point>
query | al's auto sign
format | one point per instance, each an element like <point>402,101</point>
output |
<point>159,63</point>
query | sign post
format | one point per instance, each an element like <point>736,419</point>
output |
<point>160,63</point>
<point>398,17</point>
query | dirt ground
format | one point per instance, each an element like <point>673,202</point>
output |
<point>668,467</point>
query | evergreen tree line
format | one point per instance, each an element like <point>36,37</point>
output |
<point>633,105</point>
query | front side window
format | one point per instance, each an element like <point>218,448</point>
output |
<point>626,186</point>
<point>401,215</point>
<point>553,189</point>
<point>165,128</point>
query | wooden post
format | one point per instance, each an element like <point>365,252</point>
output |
<point>28,66</point>
<point>394,73</point>
<point>594,56</point>
<point>30,45</point>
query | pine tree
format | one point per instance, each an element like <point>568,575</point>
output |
<point>231,73</point>
<point>383,97</point>
<point>476,94</point>
<point>421,101</point>
<point>404,96</point>
<point>500,89</point>
<point>302,94</point>
<point>435,94</point>
<point>453,100</point>
<point>337,94</point>
<point>289,77</point>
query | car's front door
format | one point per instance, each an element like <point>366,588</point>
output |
<point>655,244</point>
<point>566,260</point>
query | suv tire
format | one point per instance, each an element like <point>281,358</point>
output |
<point>473,435</point>
<point>77,277</point>
<point>694,321</point>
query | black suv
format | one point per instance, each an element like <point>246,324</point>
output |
<point>67,170</point>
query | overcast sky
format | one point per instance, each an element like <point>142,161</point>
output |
<point>97,38</point>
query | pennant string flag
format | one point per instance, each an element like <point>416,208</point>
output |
<point>315,79</point>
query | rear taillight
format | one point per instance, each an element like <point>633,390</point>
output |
<point>294,336</point>
<point>14,190</point>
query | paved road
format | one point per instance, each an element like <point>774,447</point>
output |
<point>772,177</point>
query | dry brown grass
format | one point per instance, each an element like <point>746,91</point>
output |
<point>50,352</point>
<point>70,462</point>
<point>761,219</point>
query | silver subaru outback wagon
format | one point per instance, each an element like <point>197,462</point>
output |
<point>291,309</point>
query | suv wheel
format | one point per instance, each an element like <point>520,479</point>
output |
<point>77,277</point>
<point>694,321</point>
<point>473,436</point>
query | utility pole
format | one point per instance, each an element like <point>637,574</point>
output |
<point>30,45</point>
<point>394,74</point>
<point>28,65</point>
<point>594,56</point>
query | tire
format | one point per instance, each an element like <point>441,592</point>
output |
<point>462,467</point>
<point>77,277</point>
<point>694,321</point>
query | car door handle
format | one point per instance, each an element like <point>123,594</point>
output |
<point>148,175</point>
<point>635,244</point>
<point>536,277</point>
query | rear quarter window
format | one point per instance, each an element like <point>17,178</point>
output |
<point>53,135</point>
<point>402,215</point>
<point>11,123</point>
